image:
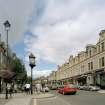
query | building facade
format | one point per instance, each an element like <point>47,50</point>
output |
<point>2,62</point>
<point>88,67</point>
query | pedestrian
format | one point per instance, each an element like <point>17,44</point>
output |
<point>27,88</point>
<point>15,88</point>
<point>10,90</point>
<point>38,88</point>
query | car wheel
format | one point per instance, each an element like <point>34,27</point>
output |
<point>74,93</point>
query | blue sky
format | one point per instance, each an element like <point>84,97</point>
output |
<point>51,29</point>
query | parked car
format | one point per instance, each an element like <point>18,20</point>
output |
<point>60,86</point>
<point>82,87</point>
<point>89,88</point>
<point>67,89</point>
<point>94,88</point>
<point>86,87</point>
<point>54,87</point>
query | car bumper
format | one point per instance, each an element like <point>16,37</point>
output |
<point>70,92</point>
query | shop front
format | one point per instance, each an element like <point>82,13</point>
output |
<point>100,78</point>
<point>80,80</point>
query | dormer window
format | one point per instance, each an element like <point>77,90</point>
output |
<point>102,35</point>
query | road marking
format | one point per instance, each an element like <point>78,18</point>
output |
<point>47,99</point>
<point>34,102</point>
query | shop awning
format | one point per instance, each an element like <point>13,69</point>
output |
<point>6,74</point>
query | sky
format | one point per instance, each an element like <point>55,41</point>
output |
<point>51,29</point>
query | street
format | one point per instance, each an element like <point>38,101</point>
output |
<point>81,98</point>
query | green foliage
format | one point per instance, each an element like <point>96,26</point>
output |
<point>28,79</point>
<point>19,69</point>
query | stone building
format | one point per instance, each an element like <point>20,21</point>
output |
<point>4,71</point>
<point>88,67</point>
<point>2,61</point>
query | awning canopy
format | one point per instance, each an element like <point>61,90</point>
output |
<point>6,74</point>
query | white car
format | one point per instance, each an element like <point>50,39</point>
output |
<point>94,88</point>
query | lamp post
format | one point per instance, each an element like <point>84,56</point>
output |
<point>7,26</point>
<point>32,64</point>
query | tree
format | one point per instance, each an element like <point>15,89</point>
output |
<point>19,69</point>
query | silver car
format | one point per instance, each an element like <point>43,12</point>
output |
<point>94,88</point>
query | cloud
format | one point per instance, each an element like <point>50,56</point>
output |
<point>38,73</point>
<point>18,13</point>
<point>65,27</point>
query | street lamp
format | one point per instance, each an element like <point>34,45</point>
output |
<point>7,26</point>
<point>32,64</point>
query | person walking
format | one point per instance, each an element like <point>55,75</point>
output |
<point>27,88</point>
<point>10,90</point>
<point>38,88</point>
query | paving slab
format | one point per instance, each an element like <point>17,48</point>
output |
<point>17,99</point>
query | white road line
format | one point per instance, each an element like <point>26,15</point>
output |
<point>47,99</point>
<point>34,102</point>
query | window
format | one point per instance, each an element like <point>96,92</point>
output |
<point>100,62</point>
<point>98,48</point>
<point>102,46</point>
<point>103,63</point>
<point>90,52</point>
<point>90,66</point>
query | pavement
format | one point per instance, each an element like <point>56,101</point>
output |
<point>23,99</point>
<point>101,91</point>
<point>51,98</point>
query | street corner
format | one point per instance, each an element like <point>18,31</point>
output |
<point>44,95</point>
